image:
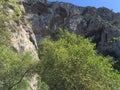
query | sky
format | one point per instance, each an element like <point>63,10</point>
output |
<point>111,4</point>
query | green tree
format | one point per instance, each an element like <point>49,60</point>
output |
<point>71,63</point>
<point>13,68</point>
<point>4,32</point>
<point>5,19</point>
<point>42,85</point>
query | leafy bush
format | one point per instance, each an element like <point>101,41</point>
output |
<point>23,85</point>
<point>5,19</point>
<point>4,32</point>
<point>13,67</point>
<point>42,85</point>
<point>71,63</point>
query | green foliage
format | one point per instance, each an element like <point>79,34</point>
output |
<point>23,85</point>
<point>5,35</point>
<point>13,67</point>
<point>13,1</point>
<point>114,39</point>
<point>17,10</point>
<point>71,63</point>
<point>4,32</point>
<point>42,85</point>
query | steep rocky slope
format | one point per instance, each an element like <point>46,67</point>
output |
<point>101,25</point>
<point>23,38</point>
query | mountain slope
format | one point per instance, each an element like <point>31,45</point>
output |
<point>101,25</point>
<point>21,34</point>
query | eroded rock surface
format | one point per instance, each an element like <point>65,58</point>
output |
<point>23,39</point>
<point>101,25</point>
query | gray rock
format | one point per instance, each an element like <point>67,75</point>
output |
<point>34,1</point>
<point>105,13</point>
<point>101,25</point>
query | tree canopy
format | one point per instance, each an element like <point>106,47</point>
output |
<point>71,63</point>
<point>13,67</point>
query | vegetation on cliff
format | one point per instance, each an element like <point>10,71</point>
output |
<point>4,32</point>
<point>68,63</point>
<point>71,63</point>
<point>14,67</point>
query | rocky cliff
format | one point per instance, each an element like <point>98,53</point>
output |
<point>23,37</point>
<point>100,24</point>
<point>23,40</point>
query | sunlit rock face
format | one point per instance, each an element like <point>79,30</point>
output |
<point>101,25</point>
<point>23,37</point>
<point>23,40</point>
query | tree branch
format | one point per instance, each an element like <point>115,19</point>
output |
<point>18,81</point>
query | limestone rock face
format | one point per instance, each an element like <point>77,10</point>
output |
<point>23,40</point>
<point>101,25</point>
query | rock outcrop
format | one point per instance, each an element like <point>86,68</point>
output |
<point>23,39</point>
<point>101,25</point>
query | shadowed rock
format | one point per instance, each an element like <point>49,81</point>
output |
<point>101,25</point>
